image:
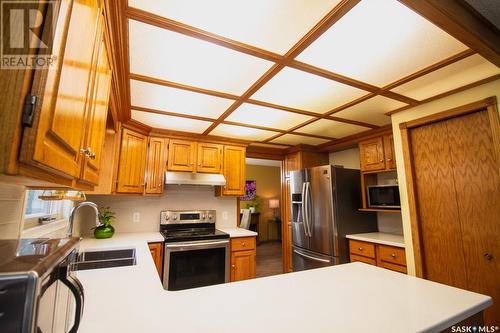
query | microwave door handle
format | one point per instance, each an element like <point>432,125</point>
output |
<point>76,289</point>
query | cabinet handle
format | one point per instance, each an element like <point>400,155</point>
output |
<point>233,267</point>
<point>393,255</point>
<point>360,248</point>
<point>389,159</point>
<point>488,257</point>
<point>381,160</point>
<point>243,244</point>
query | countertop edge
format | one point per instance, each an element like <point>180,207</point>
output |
<point>374,240</point>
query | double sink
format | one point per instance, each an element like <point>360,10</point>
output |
<point>104,259</point>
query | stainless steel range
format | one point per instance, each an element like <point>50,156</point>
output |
<point>196,254</point>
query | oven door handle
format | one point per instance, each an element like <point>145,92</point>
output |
<point>76,289</point>
<point>194,245</point>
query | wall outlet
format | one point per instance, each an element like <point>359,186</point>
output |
<point>224,216</point>
<point>136,217</point>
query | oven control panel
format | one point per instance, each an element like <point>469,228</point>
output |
<point>187,216</point>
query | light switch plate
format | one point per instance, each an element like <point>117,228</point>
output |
<point>224,216</point>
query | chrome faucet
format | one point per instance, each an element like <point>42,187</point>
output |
<point>76,208</point>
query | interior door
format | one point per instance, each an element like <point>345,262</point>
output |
<point>457,185</point>
<point>320,220</point>
<point>300,236</point>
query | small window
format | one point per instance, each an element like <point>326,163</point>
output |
<point>36,209</point>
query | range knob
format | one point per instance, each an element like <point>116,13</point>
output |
<point>175,217</point>
<point>209,216</point>
<point>167,217</point>
<point>203,216</point>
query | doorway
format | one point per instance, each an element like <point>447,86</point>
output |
<point>452,168</point>
<point>263,198</point>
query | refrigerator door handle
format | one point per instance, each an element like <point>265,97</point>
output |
<point>305,214</point>
<point>311,257</point>
<point>309,205</point>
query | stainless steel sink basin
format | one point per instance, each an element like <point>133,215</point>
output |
<point>105,259</point>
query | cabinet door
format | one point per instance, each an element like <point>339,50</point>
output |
<point>390,161</point>
<point>156,250</point>
<point>372,154</point>
<point>234,170</point>
<point>97,120</point>
<point>292,163</point>
<point>242,265</point>
<point>132,162</point>
<point>209,158</point>
<point>181,155</point>
<point>156,165</point>
<point>55,140</point>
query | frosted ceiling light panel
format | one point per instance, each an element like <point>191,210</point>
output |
<point>261,23</point>
<point>379,42</point>
<point>191,61</point>
<point>266,117</point>
<point>243,133</point>
<point>154,96</point>
<point>331,128</point>
<point>301,90</point>
<point>170,122</point>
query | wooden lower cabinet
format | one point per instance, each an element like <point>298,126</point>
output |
<point>243,255</point>
<point>156,250</point>
<point>385,256</point>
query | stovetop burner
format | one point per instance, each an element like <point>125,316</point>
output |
<point>181,235</point>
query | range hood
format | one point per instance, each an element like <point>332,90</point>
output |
<point>189,178</point>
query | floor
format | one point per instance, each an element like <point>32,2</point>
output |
<point>269,260</point>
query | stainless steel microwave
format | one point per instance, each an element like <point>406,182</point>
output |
<point>383,196</point>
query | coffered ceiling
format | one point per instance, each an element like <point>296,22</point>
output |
<point>278,73</point>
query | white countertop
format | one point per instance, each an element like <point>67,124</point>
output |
<point>347,298</point>
<point>380,238</point>
<point>238,232</point>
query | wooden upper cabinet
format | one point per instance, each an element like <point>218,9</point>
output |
<point>156,165</point>
<point>372,154</point>
<point>132,162</point>
<point>209,158</point>
<point>182,155</point>
<point>390,161</point>
<point>234,171</point>
<point>56,138</point>
<point>377,154</point>
<point>94,142</point>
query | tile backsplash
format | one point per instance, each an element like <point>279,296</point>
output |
<point>11,206</point>
<point>176,197</point>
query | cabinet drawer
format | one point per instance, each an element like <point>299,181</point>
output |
<point>242,243</point>
<point>362,248</point>
<point>392,267</point>
<point>366,260</point>
<point>391,254</point>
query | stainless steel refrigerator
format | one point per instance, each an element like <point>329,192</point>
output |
<point>325,203</point>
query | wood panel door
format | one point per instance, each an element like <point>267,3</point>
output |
<point>94,141</point>
<point>371,154</point>
<point>182,155</point>
<point>390,160</point>
<point>243,265</point>
<point>132,162</point>
<point>457,189</point>
<point>55,141</point>
<point>234,170</point>
<point>209,158</point>
<point>156,165</point>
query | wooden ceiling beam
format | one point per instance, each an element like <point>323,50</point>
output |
<point>461,21</point>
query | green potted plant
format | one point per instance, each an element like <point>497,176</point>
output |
<point>105,230</point>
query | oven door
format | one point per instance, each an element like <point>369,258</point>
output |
<point>196,264</point>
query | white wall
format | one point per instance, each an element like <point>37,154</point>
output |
<point>443,104</point>
<point>175,197</point>
<point>12,210</point>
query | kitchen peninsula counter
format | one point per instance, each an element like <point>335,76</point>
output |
<point>347,298</point>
